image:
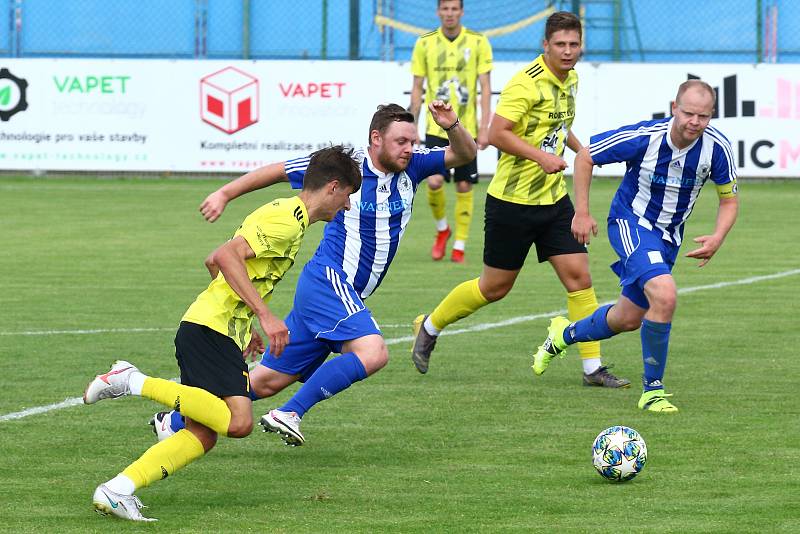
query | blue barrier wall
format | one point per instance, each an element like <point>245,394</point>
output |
<point>615,30</point>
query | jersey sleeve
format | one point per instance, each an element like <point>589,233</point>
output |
<point>270,232</point>
<point>723,170</point>
<point>484,55</point>
<point>296,170</point>
<point>614,146</point>
<point>516,99</point>
<point>418,60</point>
<point>426,162</point>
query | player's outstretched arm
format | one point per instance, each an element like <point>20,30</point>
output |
<point>214,204</point>
<point>502,136</point>
<point>709,244</point>
<point>462,147</point>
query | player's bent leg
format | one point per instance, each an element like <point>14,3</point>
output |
<point>464,300</point>
<point>266,382</point>
<point>116,496</point>
<point>241,424</point>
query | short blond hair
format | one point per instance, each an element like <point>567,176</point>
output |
<point>700,84</point>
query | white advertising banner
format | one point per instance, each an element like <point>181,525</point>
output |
<point>232,116</point>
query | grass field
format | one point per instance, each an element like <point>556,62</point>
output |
<point>94,270</point>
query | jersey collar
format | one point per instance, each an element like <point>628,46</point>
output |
<point>570,79</point>
<point>371,166</point>
<point>461,36</point>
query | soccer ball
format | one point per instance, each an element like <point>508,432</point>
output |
<point>619,453</point>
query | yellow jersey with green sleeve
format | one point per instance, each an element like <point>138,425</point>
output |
<point>542,108</point>
<point>451,69</point>
<point>274,232</point>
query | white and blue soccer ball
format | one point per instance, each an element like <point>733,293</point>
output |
<point>619,453</point>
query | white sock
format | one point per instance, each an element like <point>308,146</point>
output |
<point>441,225</point>
<point>590,365</point>
<point>135,383</point>
<point>121,484</point>
<point>429,328</point>
<point>459,245</point>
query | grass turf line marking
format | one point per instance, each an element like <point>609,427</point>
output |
<point>394,341</point>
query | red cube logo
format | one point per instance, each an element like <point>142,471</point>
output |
<point>229,99</point>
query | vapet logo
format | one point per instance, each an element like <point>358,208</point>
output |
<point>13,95</point>
<point>229,99</point>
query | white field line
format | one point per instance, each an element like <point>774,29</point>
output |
<point>393,341</point>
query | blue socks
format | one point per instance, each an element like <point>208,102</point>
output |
<point>592,328</point>
<point>176,421</point>
<point>655,343</point>
<point>333,376</point>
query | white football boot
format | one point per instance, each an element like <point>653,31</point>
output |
<point>111,385</point>
<point>162,425</point>
<point>287,424</point>
<point>106,502</point>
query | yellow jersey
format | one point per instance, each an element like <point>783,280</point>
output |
<point>274,232</point>
<point>542,108</point>
<point>451,69</point>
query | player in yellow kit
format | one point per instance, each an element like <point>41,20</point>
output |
<point>527,201</point>
<point>453,59</point>
<point>216,332</point>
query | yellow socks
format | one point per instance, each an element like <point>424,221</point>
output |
<point>581,304</point>
<point>164,458</point>
<point>437,201</point>
<point>463,215</point>
<point>464,300</point>
<point>195,403</point>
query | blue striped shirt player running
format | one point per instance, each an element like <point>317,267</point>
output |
<point>668,162</point>
<point>329,314</point>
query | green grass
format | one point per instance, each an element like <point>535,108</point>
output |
<point>477,445</point>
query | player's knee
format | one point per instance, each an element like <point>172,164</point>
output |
<point>435,181</point>
<point>240,426</point>
<point>664,303</point>
<point>496,291</point>
<point>375,358</point>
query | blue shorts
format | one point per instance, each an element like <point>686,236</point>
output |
<point>327,312</point>
<point>643,255</point>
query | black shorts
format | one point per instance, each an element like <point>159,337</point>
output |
<point>465,173</point>
<point>211,361</point>
<point>510,229</point>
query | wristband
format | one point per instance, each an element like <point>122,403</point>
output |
<point>458,121</point>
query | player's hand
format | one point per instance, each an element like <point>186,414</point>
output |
<point>213,206</point>
<point>255,348</point>
<point>277,332</point>
<point>582,226</point>
<point>442,113</point>
<point>709,244</point>
<point>551,163</point>
<point>483,138</point>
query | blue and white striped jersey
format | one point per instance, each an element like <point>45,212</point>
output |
<point>362,242</point>
<point>661,182</point>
